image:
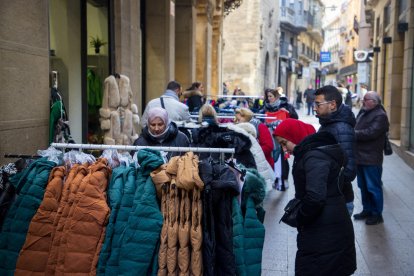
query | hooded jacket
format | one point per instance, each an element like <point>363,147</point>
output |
<point>262,165</point>
<point>30,186</point>
<point>370,130</point>
<point>139,245</point>
<point>326,244</point>
<point>214,136</point>
<point>221,187</point>
<point>341,125</point>
<point>35,252</point>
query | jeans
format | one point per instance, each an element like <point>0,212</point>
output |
<point>310,108</point>
<point>369,181</point>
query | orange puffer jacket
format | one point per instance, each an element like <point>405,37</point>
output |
<point>34,254</point>
<point>72,183</point>
<point>85,227</point>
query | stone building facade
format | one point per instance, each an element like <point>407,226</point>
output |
<point>251,46</point>
<point>151,42</point>
<point>392,71</point>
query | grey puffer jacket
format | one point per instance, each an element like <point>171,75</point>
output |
<point>370,132</point>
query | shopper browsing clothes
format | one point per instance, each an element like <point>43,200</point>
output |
<point>325,241</point>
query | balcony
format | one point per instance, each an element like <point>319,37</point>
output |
<point>315,28</point>
<point>287,15</point>
<point>288,51</point>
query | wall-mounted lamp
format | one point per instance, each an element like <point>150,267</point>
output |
<point>376,49</point>
<point>387,40</point>
<point>402,27</point>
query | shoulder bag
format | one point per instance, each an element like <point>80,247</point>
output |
<point>387,146</point>
<point>291,212</point>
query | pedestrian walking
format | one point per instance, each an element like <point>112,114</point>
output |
<point>325,240</point>
<point>170,100</point>
<point>298,99</point>
<point>339,120</point>
<point>310,98</point>
<point>195,96</point>
<point>371,127</point>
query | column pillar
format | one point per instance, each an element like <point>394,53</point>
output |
<point>203,45</point>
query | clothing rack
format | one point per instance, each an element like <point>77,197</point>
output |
<point>134,148</point>
<point>234,96</point>
<point>23,156</point>
<point>259,116</point>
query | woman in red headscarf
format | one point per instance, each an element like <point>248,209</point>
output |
<point>325,241</point>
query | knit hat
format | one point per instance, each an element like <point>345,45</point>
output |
<point>293,130</point>
<point>158,112</point>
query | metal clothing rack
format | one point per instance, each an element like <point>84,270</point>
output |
<point>134,148</point>
<point>259,116</point>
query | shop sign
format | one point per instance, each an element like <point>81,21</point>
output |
<point>325,57</point>
<point>363,72</point>
<point>363,56</point>
<point>314,64</point>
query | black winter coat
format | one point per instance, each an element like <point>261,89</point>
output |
<point>370,130</point>
<point>341,125</point>
<point>220,187</point>
<point>325,238</point>
<point>174,138</point>
<point>214,136</point>
<point>283,104</point>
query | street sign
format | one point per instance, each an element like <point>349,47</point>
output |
<point>362,72</point>
<point>325,57</point>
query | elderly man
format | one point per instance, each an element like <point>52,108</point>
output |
<point>370,130</point>
<point>170,101</point>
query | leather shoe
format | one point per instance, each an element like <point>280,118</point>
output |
<point>374,220</point>
<point>362,215</point>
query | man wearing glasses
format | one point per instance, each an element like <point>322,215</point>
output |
<point>338,119</point>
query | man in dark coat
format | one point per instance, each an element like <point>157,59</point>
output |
<point>338,119</point>
<point>310,98</point>
<point>370,130</point>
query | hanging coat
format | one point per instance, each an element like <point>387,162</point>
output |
<point>35,252</point>
<point>30,188</point>
<point>72,183</point>
<point>139,252</point>
<point>109,257</point>
<point>86,223</point>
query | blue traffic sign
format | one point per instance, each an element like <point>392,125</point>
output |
<point>325,57</point>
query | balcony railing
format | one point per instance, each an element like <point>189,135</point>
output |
<point>288,50</point>
<point>287,15</point>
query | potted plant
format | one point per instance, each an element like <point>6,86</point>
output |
<point>96,43</point>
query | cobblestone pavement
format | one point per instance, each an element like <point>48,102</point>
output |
<point>385,249</point>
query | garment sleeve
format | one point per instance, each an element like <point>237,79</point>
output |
<point>317,171</point>
<point>265,139</point>
<point>377,127</point>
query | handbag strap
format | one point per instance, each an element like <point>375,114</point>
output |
<point>162,102</point>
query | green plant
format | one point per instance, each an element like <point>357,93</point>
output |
<point>96,42</point>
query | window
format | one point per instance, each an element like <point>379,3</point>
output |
<point>402,6</point>
<point>387,15</point>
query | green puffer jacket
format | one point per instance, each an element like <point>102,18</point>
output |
<point>139,247</point>
<point>123,187</point>
<point>238,238</point>
<point>31,183</point>
<point>253,194</point>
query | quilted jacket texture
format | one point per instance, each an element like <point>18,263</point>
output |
<point>31,186</point>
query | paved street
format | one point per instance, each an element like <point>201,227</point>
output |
<point>385,249</point>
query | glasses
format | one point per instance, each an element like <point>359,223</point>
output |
<point>365,100</point>
<point>319,104</point>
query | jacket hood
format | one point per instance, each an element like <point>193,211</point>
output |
<point>190,93</point>
<point>219,137</point>
<point>149,160</point>
<point>170,134</point>
<point>248,127</point>
<point>322,141</point>
<point>343,114</point>
<point>254,187</point>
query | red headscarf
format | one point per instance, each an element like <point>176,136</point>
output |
<point>293,130</point>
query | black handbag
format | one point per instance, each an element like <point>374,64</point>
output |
<point>291,212</point>
<point>387,146</point>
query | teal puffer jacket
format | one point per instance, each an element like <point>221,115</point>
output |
<point>121,196</point>
<point>139,248</point>
<point>238,238</point>
<point>253,194</point>
<point>31,183</point>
